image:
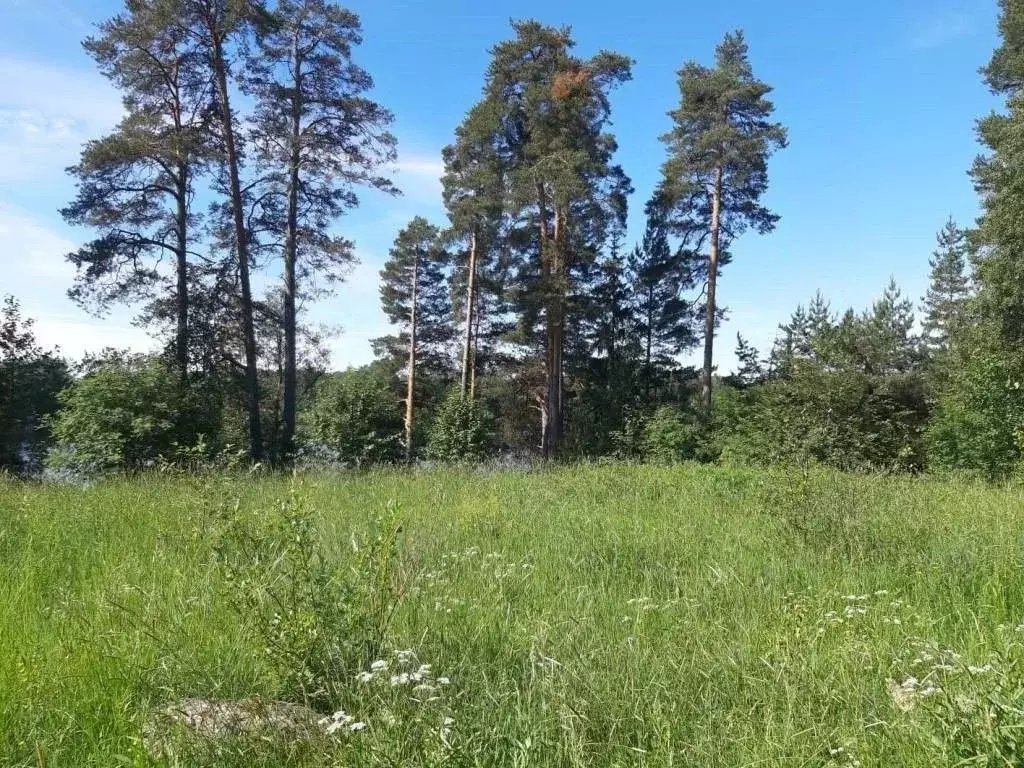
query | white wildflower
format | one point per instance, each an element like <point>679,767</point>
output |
<point>356,727</point>
<point>444,681</point>
<point>979,670</point>
<point>406,656</point>
<point>930,690</point>
<point>401,679</point>
<point>881,593</point>
<point>379,665</point>
<point>364,677</point>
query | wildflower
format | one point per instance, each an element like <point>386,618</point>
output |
<point>836,751</point>
<point>334,723</point>
<point>364,677</point>
<point>356,727</point>
<point>444,681</point>
<point>405,657</point>
<point>379,666</point>
<point>979,670</point>
<point>882,593</point>
<point>931,690</point>
<point>402,679</point>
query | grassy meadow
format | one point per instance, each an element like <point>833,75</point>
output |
<point>605,615</point>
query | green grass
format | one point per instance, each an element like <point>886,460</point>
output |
<point>595,615</point>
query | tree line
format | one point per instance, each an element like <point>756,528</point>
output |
<point>523,323</point>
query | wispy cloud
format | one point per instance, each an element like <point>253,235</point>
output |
<point>419,176</point>
<point>46,113</point>
<point>942,28</point>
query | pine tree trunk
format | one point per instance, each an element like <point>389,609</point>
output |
<point>252,391</point>
<point>291,250</point>
<point>476,348</point>
<point>709,321</point>
<point>181,298</point>
<point>411,387</point>
<point>649,342</point>
<point>555,339</point>
<point>181,182</point>
<point>467,351</point>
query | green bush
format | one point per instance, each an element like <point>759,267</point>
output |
<point>129,412</point>
<point>979,424</point>
<point>30,380</point>
<point>317,622</point>
<point>355,417</point>
<point>668,437</point>
<point>462,431</point>
<point>844,419</point>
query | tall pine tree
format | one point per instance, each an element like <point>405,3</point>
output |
<point>318,138</point>
<point>137,184</point>
<point>717,172</point>
<point>552,110</point>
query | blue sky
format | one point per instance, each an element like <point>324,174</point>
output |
<point>880,98</point>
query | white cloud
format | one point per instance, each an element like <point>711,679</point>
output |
<point>36,272</point>
<point>31,251</point>
<point>77,336</point>
<point>46,113</point>
<point>943,28</point>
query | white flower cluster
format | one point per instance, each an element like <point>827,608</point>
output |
<point>421,678</point>
<point>341,722</point>
<point>843,756</point>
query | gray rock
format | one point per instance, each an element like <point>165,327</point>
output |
<point>191,724</point>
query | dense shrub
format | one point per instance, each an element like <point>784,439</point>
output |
<point>30,380</point>
<point>355,417</point>
<point>128,412</point>
<point>668,437</point>
<point>845,419</point>
<point>462,431</point>
<point>979,423</point>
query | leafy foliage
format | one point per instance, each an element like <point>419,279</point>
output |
<point>355,415</point>
<point>30,380</point>
<point>318,621</point>
<point>668,438</point>
<point>129,412</point>
<point>462,431</point>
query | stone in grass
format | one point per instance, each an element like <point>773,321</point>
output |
<point>207,724</point>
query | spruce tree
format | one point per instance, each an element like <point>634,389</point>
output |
<point>666,321</point>
<point>750,370</point>
<point>945,303</point>
<point>318,139</point>
<point>716,172</point>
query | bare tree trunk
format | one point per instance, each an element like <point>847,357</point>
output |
<point>181,298</point>
<point>291,250</point>
<point>476,347</point>
<point>252,384</point>
<point>555,338</point>
<point>709,321</point>
<point>181,182</point>
<point>467,351</point>
<point>411,388</point>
